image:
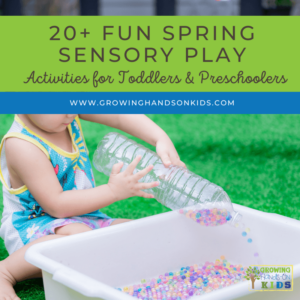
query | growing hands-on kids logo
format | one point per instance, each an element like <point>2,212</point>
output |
<point>270,277</point>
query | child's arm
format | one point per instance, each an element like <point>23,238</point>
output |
<point>145,129</point>
<point>32,168</point>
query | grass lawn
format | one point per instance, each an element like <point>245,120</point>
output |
<point>255,158</point>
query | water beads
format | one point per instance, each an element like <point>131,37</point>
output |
<point>214,217</point>
<point>188,281</point>
<point>249,240</point>
<point>207,217</point>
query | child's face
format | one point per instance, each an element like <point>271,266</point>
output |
<point>52,123</point>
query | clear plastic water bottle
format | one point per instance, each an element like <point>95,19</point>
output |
<point>178,187</point>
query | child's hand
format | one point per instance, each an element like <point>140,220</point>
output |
<point>167,152</point>
<point>124,185</point>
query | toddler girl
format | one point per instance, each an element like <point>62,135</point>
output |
<point>48,185</point>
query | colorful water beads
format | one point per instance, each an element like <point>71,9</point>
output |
<point>245,234</point>
<point>189,281</point>
<point>214,217</point>
<point>207,217</point>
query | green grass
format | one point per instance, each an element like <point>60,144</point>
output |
<point>255,158</point>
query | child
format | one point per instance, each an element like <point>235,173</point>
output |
<point>48,185</point>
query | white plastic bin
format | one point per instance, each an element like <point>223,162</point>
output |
<point>90,265</point>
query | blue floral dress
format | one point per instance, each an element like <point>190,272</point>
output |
<point>23,219</point>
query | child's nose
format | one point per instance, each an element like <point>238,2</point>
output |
<point>71,116</point>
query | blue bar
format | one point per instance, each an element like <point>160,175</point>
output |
<point>151,102</point>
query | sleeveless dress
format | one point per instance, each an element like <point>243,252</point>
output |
<point>23,219</point>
